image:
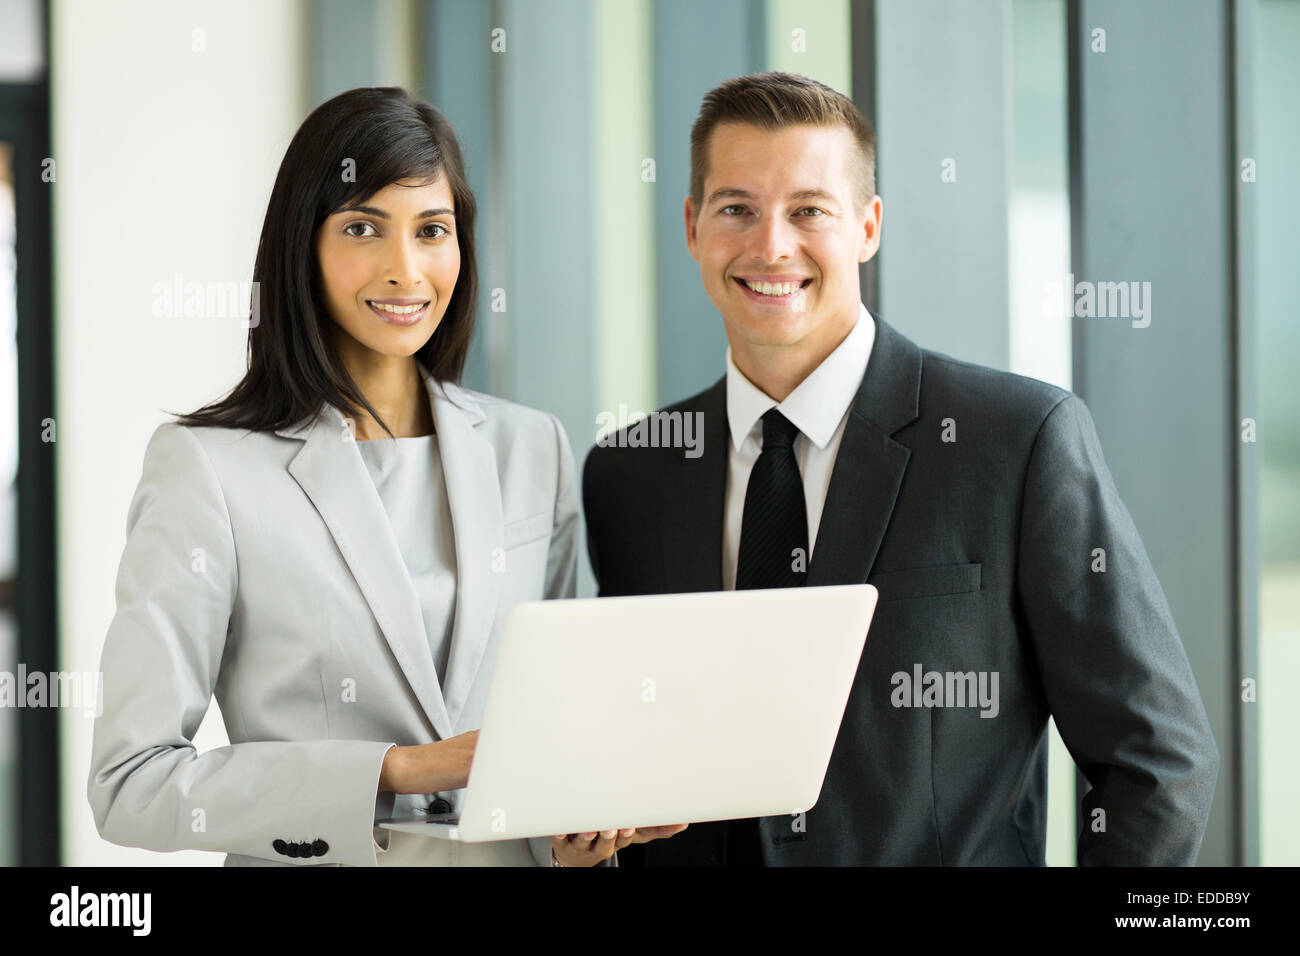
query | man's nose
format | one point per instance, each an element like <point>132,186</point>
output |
<point>772,239</point>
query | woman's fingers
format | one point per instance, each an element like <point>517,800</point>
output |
<point>646,834</point>
<point>593,847</point>
<point>604,846</point>
<point>585,849</point>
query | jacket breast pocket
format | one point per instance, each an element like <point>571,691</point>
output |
<point>926,582</point>
<point>527,530</point>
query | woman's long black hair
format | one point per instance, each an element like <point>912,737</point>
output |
<point>382,135</point>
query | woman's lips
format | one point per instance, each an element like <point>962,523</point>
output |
<point>402,320</point>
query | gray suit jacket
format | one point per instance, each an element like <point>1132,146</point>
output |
<point>983,550</point>
<point>261,568</point>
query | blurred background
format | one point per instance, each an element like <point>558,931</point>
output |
<point>1021,142</point>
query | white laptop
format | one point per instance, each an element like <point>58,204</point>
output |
<point>647,711</point>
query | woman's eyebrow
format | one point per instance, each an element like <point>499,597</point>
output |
<point>372,211</point>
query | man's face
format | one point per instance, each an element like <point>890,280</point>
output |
<point>779,236</point>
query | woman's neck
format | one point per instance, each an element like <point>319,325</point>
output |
<point>395,387</point>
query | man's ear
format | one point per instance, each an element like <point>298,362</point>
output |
<point>688,212</point>
<point>871,229</point>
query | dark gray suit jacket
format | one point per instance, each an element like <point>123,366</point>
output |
<point>983,550</point>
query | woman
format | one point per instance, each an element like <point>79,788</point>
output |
<point>340,592</point>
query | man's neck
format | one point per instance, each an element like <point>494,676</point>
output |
<point>777,370</point>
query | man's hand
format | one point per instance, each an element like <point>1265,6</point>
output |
<point>588,849</point>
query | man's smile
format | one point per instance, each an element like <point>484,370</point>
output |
<point>781,289</point>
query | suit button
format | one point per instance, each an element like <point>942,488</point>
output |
<point>440,806</point>
<point>280,847</point>
<point>319,848</point>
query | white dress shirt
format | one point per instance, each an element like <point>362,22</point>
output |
<point>819,407</point>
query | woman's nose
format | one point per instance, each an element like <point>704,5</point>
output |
<point>402,267</point>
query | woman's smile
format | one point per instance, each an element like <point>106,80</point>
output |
<point>399,315</point>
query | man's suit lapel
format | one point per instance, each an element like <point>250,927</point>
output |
<point>867,474</point>
<point>692,501</point>
<point>869,465</point>
<point>330,470</point>
<point>865,479</point>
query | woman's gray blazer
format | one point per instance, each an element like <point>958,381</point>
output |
<point>261,568</point>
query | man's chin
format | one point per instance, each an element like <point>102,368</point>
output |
<point>770,331</point>
<point>763,341</point>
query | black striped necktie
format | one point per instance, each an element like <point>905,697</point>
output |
<point>773,549</point>
<point>773,529</point>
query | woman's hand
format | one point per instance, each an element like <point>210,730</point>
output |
<point>429,768</point>
<point>588,849</point>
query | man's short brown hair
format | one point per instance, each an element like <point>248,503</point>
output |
<point>774,101</point>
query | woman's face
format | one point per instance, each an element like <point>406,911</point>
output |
<point>397,248</point>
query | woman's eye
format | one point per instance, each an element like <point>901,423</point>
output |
<point>365,225</point>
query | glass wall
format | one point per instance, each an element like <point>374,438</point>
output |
<point>8,507</point>
<point>1270,199</point>
<point>1038,221</point>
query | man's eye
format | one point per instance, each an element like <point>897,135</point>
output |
<point>812,209</point>
<point>725,211</point>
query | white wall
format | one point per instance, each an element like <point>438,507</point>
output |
<point>165,159</point>
<point>21,57</point>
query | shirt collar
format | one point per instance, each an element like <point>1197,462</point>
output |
<point>818,403</point>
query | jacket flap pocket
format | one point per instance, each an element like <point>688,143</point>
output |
<point>527,529</point>
<point>926,582</point>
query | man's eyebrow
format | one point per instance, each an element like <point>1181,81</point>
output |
<point>379,213</point>
<point>727,194</point>
<point>801,195</point>
<point>812,194</point>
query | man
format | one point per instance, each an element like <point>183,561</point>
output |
<point>1013,584</point>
